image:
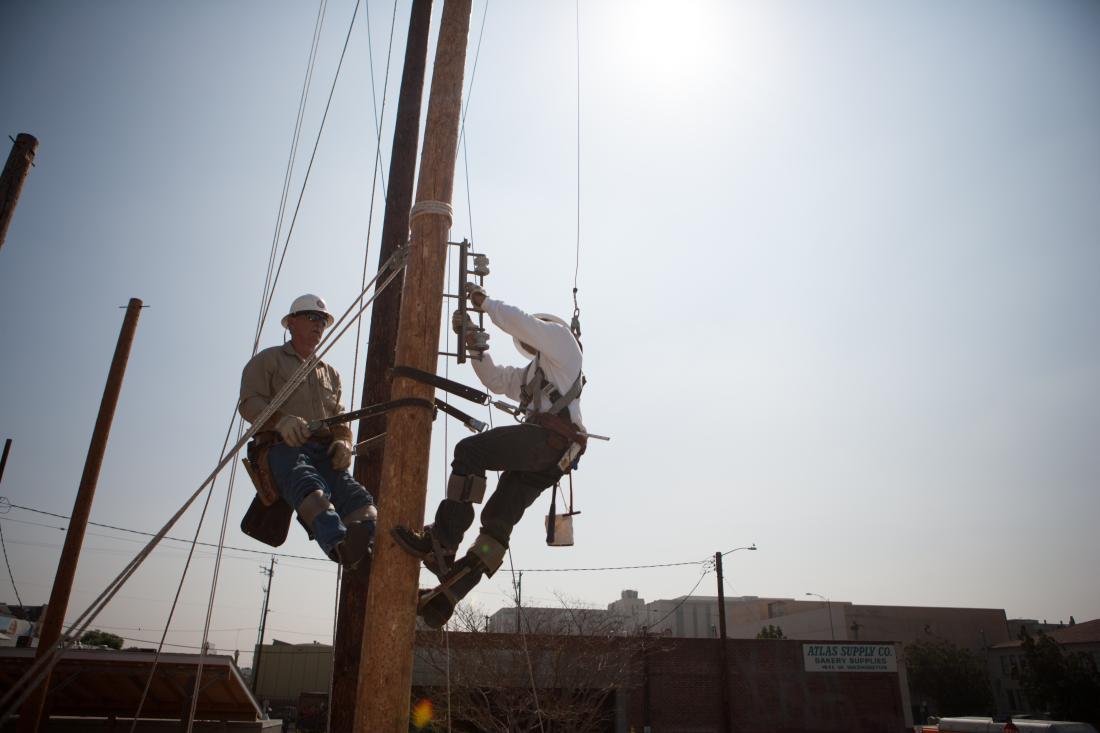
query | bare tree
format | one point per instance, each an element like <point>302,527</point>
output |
<point>561,674</point>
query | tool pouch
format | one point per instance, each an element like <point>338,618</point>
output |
<point>268,524</point>
<point>562,433</point>
<point>255,462</point>
<point>268,516</point>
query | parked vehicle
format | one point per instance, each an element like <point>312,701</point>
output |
<point>1005,725</point>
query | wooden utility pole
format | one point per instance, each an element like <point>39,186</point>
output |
<point>723,656</point>
<point>389,633</point>
<point>30,716</point>
<point>11,181</point>
<point>351,616</point>
<point>270,573</point>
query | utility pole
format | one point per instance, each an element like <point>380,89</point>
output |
<point>270,573</point>
<point>723,656</point>
<point>352,610</point>
<point>20,160</point>
<point>389,634</point>
<point>519,600</point>
<point>31,714</point>
<point>4,459</point>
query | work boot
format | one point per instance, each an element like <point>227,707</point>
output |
<point>437,605</point>
<point>356,550</point>
<point>425,547</point>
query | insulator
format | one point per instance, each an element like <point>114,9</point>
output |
<point>481,265</point>
<point>480,340</point>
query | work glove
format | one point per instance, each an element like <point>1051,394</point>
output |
<point>340,452</point>
<point>294,430</point>
<point>456,323</point>
<point>476,294</point>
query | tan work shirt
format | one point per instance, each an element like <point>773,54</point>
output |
<point>315,398</point>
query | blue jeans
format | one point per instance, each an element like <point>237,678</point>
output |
<point>298,472</point>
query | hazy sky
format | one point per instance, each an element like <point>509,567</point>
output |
<point>839,278</point>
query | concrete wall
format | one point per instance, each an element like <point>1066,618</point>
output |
<point>975,629</point>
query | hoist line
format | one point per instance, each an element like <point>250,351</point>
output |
<point>213,583</point>
<point>379,118</point>
<point>175,602</point>
<point>44,664</point>
<point>462,126</point>
<point>312,157</point>
<point>295,138</point>
<point>577,268</point>
<point>523,639</point>
<point>266,295</point>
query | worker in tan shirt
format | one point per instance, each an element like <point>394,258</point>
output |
<point>310,470</point>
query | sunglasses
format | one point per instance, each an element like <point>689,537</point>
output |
<point>313,316</point>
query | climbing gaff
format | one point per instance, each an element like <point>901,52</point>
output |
<point>470,422</point>
<point>477,265</point>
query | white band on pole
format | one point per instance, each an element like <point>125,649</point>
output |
<point>422,208</point>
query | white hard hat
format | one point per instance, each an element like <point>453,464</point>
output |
<point>308,303</point>
<point>549,318</point>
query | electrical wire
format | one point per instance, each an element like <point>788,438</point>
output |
<point>379,117</point>
<point>268,290</point>
<point>8,563</point>
<point>312,157</point>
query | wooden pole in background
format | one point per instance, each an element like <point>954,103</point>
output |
<point>723,656</point>
<point>31,714</point>
<point>11,181</point>
<point>352,612</point>
<point>389,634</point>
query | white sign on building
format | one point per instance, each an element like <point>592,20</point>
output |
<point>849,658</point>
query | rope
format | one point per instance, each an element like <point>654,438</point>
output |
<point>379,116</point>
<point>312,158</point>
<point>175,600</point>
<point>44,664</point>
<point>523,639</point>
<point>575,325</point>
<point>303,97</point>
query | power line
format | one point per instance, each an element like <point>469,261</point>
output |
<point>324,560</point>
<point>174,539</point>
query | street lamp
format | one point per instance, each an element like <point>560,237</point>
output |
<point>829,610</point>
<point>722,635</point>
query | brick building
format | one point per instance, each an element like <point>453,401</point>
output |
<point>1007,658</point>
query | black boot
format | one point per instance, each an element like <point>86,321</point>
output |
<point>357,548</point>
<point>437,605</point>
<point>425,547</point>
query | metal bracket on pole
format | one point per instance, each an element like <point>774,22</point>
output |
<point>477,265</point>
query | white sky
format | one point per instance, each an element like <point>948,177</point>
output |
<point>839,277</point>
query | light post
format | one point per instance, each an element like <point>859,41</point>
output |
<point>828,610</point>
<point>726,717</point>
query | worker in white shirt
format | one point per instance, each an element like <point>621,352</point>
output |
<point>532,455</point>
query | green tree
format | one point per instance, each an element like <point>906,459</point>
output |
<point>95,637</point>
<point>771,632</point>
<point>953,680</point>
<point>1065,685</point>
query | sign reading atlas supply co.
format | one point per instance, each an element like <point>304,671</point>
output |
<point>849,657</point>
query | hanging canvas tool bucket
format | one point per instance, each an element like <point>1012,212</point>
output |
<point>559,527</point>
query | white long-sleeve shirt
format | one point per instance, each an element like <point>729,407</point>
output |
<point>559,356</point>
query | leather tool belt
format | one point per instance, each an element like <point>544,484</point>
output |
<point>255,462</point>
<point>563,433</point>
